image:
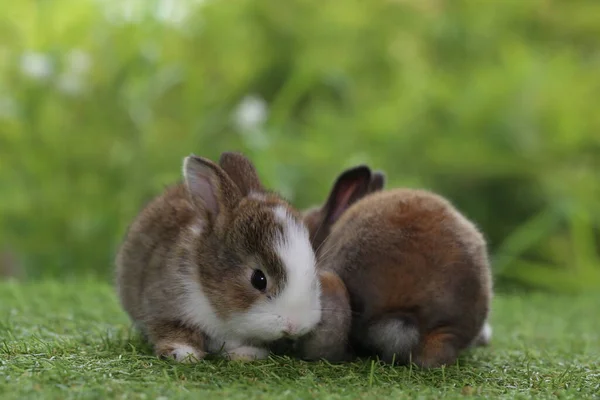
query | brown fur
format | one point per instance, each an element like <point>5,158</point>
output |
<point>160,253</point>
<point>241,171</point>
<point>410,256</point>
<point>349,187</point>
<point>313,219</point>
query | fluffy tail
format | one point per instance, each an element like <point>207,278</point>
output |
<point>485,336</point>
<point>393,339</point>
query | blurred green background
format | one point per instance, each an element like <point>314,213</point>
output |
<point>493,104</point>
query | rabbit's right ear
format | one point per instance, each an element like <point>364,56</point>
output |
<point>377,181</point>
<point>211,191</point>
<point>241,171</point>
<point>350,186</point>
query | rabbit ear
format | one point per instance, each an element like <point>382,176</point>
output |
<point>211,191</point>
<point>377,181</point>
<point>350,186</point>
<point>241,171</point>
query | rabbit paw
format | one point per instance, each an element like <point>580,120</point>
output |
<point>247,353</point>
<point>182,353</point>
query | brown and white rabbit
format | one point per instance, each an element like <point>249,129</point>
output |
<point>218,263</point>
<point>416,270</point>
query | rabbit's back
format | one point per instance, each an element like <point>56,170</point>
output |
<point>409,252</point>
<point>148,244</point>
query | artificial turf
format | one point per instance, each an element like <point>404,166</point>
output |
<point>72,340</point>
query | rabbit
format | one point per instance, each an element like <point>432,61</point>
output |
<point>218,264</point>
<point>416,270</point>
<point>335,310</point>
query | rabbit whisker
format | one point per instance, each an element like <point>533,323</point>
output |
<point>324,240</point>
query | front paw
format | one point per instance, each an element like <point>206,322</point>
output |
<point>180,352</point>
<point>247,353</point>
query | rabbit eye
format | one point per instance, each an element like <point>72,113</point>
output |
<point>259,280</point>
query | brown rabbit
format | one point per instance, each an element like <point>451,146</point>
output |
<point>416,270</point>
<point>218,263</point>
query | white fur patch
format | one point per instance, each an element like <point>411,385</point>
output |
<point>222,335</point>
<point>185,353</point>
<point>195,308</point>
<point>197,311</point>
<point>257,196</point>
<point>300,301</point>
<point>484,336</point>
<point>486,333</point>
<point>281,214</point>
<point>196,229</point>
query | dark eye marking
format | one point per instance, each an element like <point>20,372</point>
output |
<point>259,280</point>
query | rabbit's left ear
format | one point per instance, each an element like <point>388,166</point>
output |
<point>211,191</point>
<point>350,186</point>
<point>241,171</point>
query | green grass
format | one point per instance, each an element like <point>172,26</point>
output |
<point>62,340</point>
